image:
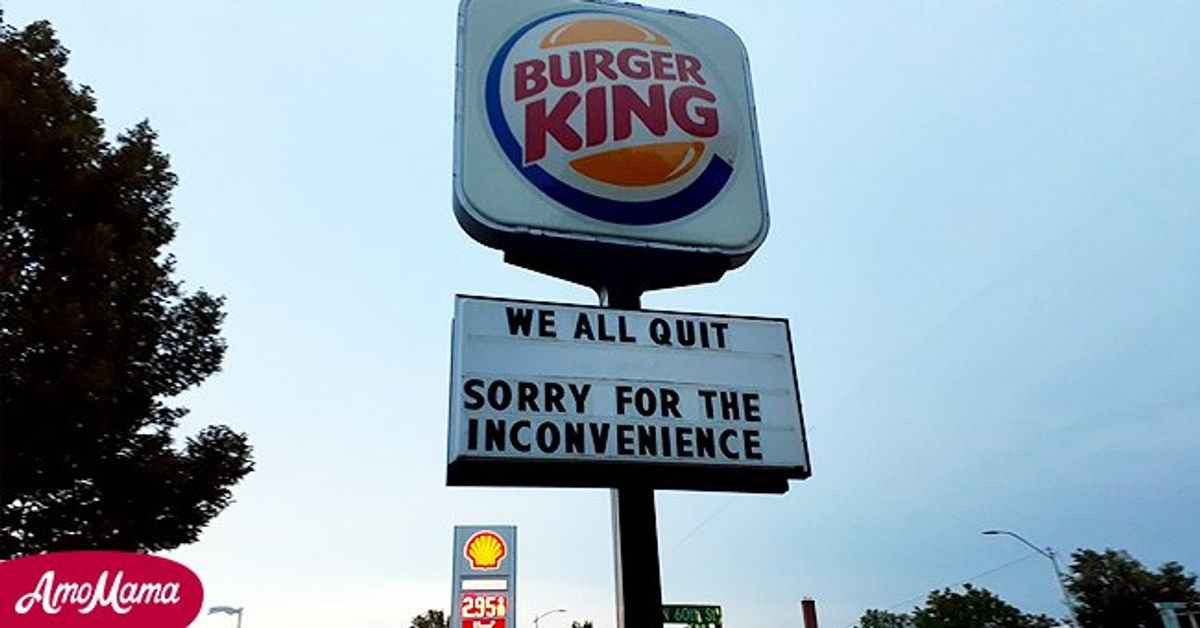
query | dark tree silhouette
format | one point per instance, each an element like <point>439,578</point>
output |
<point>430,619</point>
<point>1114,590</point>
<point>96,336</point>
<point>973,608</point>
<point>884,619</point>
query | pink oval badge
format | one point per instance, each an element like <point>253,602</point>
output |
<point>97,589</point>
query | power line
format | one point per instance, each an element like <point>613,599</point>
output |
<point>700,525</point>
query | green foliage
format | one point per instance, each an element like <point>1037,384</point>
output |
<point>431,619</point>
<point>95,334</point>
<point>884,619</point>
<point>1114,590</point>
<point>973,608</point>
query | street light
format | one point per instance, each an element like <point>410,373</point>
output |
<point>539,617</point>
<point>228,610</point>
<point>1048,553</point>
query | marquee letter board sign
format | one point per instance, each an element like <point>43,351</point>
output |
<point>547,394</point>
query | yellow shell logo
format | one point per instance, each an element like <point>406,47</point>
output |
<point>485,550</point>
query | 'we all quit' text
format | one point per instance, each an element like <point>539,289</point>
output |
<point>614,327</point>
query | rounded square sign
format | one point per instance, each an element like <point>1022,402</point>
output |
<point>605,122</point>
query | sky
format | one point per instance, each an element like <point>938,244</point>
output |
<point>984,234</point>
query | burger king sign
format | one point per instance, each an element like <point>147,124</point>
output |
<point>600,135</point>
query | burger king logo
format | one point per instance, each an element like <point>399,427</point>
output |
<point>485,550</point>
<point>612,117</point>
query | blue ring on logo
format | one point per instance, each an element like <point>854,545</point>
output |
<point>687,201</point>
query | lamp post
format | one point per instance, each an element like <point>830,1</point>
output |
<point>228,610</point>
<point>1049,554</point>
<point>539,617</point>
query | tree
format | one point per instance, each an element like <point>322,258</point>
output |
<point>1114,590</point>
<point>973,608</point>
<point>96,336</point>
<point>883,619</point>
<point>431,619</point>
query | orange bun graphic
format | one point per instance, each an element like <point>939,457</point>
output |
<point>601,30</point>
<point>639,166</point>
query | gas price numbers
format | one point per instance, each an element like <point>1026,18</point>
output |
<point>484,606</point>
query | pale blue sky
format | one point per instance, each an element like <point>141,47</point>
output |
<point>985,232</point>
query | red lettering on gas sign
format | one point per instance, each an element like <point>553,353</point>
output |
<point>484,609</point>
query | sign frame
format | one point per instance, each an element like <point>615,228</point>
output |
<point>643,258</point>
<point>498,580</point>
<point>475,471</point>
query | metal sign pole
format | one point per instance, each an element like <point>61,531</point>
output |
<point>635,527</point>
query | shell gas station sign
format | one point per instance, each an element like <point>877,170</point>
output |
<point>620,126</point>
<point>485,577</point>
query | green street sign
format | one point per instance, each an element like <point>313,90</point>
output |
<point>692,615</point>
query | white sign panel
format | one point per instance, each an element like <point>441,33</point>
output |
<point>551,394</point>
<point>609,122</point>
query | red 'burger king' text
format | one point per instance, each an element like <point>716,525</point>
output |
<point>673,93</point>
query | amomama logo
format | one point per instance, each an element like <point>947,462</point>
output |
<point>612,118</point>
<point>97,589</point>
